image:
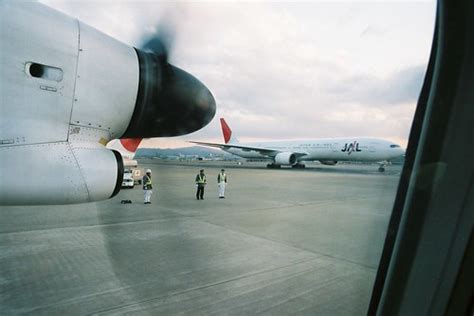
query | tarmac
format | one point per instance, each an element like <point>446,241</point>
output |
<point>282,242</point>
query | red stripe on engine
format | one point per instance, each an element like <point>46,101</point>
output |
<point>130,144</point>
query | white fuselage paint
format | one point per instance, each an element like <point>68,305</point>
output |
<point>329,149</point>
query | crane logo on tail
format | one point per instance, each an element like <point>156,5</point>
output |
<point>351,147</point>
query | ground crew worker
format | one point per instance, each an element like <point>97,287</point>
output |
<point>200,184</point>
<point>221,183</point>
<point>147,186</point>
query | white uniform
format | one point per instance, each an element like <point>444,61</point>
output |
<point>148,194</point>
<point>221,184</point>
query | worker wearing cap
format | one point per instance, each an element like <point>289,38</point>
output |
<point>147,186</point>
<point>221,183</point>
<point>200,184</point>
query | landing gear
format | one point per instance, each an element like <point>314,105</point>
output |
<point>273,166</point>
<point>382,168</point>
<point>299,166</point>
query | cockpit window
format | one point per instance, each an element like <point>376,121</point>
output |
<point>394,146</point>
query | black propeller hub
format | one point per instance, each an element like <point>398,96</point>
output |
<point>170,101</point>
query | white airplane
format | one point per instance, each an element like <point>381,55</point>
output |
<point>127,147</point>
<point>328,151</point>
<point>66,90</point>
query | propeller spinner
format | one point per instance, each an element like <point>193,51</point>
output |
<point>170,101</point>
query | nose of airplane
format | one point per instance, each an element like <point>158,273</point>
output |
<point>170,101</point>
<point>398,151</point>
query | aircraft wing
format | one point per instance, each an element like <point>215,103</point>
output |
<point>264,151</point>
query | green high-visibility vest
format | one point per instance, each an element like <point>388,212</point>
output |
<point>222,177</point>
<point>201,179</point>
<point>147,182</point>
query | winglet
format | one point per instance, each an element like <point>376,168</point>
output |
<point>226,131</point>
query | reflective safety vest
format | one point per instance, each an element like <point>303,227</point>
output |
<point>200,179</point>
<point>147,183</point>
<point>221,178</point>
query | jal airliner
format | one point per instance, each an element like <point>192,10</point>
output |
<point>327,151</point>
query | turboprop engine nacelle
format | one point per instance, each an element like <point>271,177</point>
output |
<point>59,173</point>
<point>66,90</point>
<point>285,158</point>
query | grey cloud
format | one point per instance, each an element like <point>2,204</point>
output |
<point>400,87</point>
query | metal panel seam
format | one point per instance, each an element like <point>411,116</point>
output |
<point>71,149</point>
<point>75,75</point>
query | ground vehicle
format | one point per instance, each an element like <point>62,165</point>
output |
<point>128,181</point>
<point>137,175</point>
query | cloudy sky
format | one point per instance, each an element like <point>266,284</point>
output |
<point>285,70</point>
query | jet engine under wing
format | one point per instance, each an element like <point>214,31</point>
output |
<point>271,153</point>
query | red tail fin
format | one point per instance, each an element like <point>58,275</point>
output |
<point>226,131</point>
<point>131,144</point>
